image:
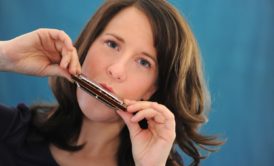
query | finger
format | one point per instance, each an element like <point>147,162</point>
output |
<point>129,102</point>
<point>55,70</point>
<point>136,106</point>
<point>164,110</point>
<point>60,35</point>
<point>66,58</point>
<point>74,67</point>
<point>69,58</point>
<point>59,51</point>
<point>59,45</point>
<point>79,68</point>
<point>147,104</point>
<point>133,127</point>
<point>148,114</point>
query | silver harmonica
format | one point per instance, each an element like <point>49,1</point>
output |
<point>98,92</point>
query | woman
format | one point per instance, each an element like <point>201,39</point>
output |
<point>139,50</point>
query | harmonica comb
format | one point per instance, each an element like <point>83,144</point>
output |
<point>98,92</point>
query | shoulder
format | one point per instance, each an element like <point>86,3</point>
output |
<point>15,125</point>
<point>14,122</point>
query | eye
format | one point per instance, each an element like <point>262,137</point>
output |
<point>144,63</point>
<point>112,44</point>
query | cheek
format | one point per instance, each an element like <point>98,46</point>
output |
<point>91,66</point>
<point>82,99</point>
<point>140,88</point>
<point>140,83</point>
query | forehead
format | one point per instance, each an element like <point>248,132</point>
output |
<point>132,25</point>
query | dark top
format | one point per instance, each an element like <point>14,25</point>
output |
<point>14,149</point>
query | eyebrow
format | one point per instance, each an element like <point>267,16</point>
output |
<point>117,37</point>
<point>123,41</point>
<point>150,56</point>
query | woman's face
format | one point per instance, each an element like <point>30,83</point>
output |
<point>123,59</point>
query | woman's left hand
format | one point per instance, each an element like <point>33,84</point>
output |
<point>150,146</point>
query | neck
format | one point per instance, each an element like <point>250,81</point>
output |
<point>99,138</point>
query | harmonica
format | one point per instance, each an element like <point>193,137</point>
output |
<point>98,92</point>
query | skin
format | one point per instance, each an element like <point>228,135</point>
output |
<point>124,58</point>
<point>44,52</point>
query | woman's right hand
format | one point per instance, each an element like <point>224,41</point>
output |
<point>43,52</point>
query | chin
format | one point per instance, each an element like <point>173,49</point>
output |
<point>94,109</point>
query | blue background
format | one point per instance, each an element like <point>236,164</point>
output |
<point>236,38</point>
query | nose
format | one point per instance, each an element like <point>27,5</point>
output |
<point>117,70</point>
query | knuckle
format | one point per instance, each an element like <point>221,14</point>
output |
<point>74,50</point>
<point>61,31</point>
<point>41,29</point>
<point>154,104</point>
<point>173,136</point>
<point>171,116</point>
<point>163,107</point>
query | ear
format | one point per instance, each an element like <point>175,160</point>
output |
<point>149,93</point>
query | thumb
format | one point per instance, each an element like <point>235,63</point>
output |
<point>133,127</point>
<point>56,70</point>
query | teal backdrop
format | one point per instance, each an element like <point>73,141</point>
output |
<point>236,38</point>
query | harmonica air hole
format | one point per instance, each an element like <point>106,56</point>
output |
<point>96,91</point>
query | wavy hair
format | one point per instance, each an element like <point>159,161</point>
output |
<point>181,85</point>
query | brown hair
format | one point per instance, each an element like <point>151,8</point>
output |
<point>181,85</point>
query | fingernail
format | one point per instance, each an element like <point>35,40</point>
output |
<point>129,108</point>
<point>126,100</point>
<point>79,70</point>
